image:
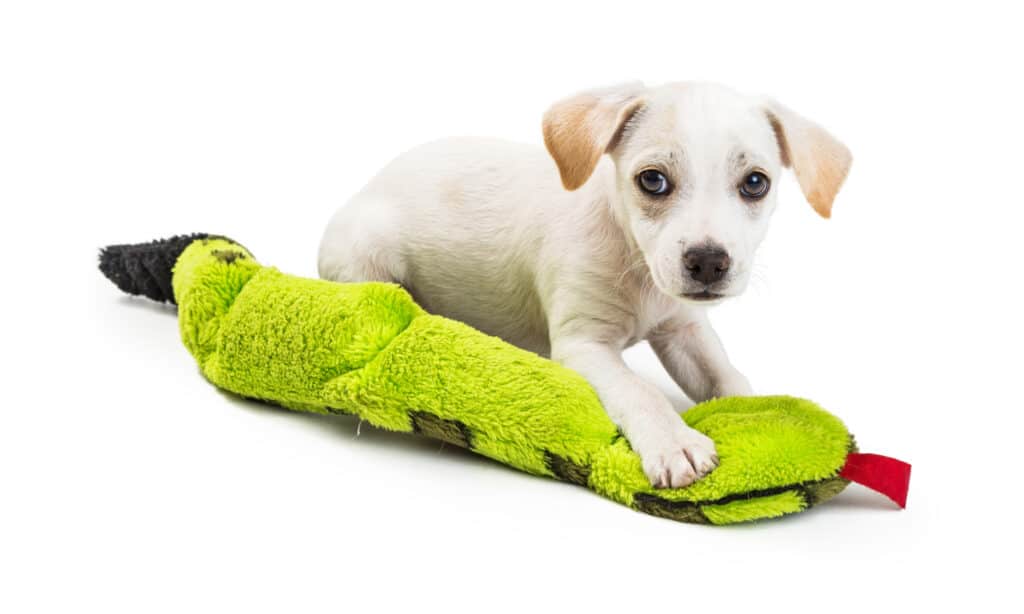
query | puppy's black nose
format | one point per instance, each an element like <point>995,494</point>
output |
<point>706,264</point>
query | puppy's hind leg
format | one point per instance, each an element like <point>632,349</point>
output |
<point>361,244</point>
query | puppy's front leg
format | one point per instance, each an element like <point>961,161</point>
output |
<point>693,355</point>
<point>672,453</point>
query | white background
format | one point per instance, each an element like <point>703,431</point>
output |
<point>129,484</point>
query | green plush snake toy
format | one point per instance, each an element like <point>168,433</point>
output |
<point>368,349</point>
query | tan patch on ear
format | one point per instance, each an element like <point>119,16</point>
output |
<point>820,162</point>
<point>579,130</point>
<point>828,171</point>
<point>780,138</point>
<point>570,141</point>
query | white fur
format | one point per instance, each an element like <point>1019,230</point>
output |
<point>483,231</point>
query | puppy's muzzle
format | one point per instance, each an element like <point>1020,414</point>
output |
<point>707,264</point>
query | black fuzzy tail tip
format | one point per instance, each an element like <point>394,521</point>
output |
<point>145,268</point>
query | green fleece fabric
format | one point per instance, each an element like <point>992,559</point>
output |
<point>368,349</point>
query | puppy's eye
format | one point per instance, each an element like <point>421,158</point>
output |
<point>755,186</point>
<point>653,182</point>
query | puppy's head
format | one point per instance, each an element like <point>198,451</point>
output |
<point>695,167</point>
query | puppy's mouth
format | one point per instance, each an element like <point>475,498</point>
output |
<point>703,295</point>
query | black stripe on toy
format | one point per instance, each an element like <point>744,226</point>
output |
<point>811,493</point>
<point>683,511</point>
<point>227,256</point>
<point>448,431</point>
<point>566,470</point>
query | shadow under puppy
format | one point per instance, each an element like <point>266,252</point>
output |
<point>578,255</point>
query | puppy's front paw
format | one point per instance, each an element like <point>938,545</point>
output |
<point>679,459</point>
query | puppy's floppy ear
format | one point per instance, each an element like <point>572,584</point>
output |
<point>818,159</point>
<point>579,129</point>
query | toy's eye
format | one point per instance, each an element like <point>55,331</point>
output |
<point>653,182</point>
<point>755,186</point>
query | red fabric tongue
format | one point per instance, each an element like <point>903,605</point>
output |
<point>883,474</point>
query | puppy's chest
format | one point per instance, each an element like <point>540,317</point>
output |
<point>647,315</point>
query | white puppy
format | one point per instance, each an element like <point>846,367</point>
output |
<point>582,256</point>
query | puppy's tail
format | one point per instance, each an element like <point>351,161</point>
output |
<point>146,268</point>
